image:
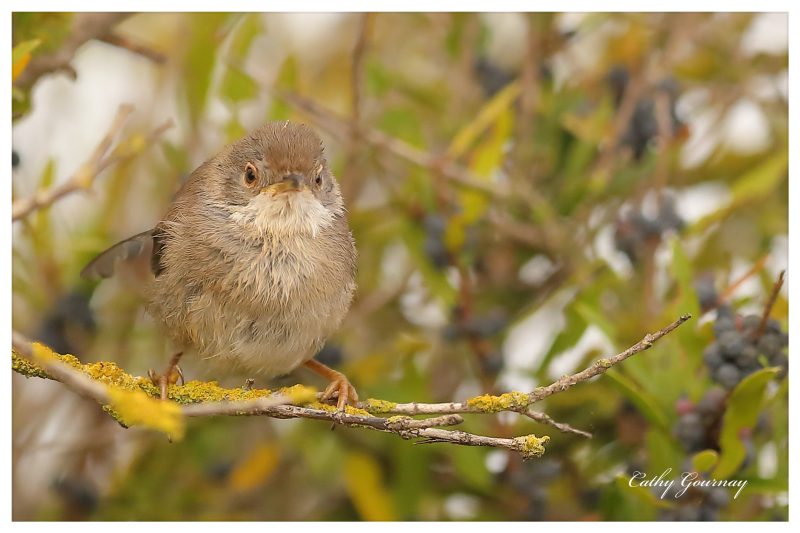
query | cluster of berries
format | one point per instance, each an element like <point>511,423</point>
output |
<point>634,228</point>
<point>742,347</point>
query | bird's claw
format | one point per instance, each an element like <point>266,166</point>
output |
<point>170,377</point>
<point>342,390</point>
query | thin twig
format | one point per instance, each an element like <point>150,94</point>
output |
<point>755,269</point>
<point>776,288</point>
<point>85,27</point>
<point>602,365</point>
<point>119,41</point>
<point>544,418</point>
<point>101,158</point>
<point>247,407</point>
<point>336,125</point>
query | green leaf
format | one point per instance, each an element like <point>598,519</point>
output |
<point>705,460</point>
<point>287,80</point>
<point>567,338</point>
<point>662,449</point>
<point>643,401</point>
<point>246,31</point>
<point>682,270</point>
<point>200,59</point>
<point>643,494</point>
<point>471,468</point>
<point>238,86</point>
<point>752,186</point>
<point>744,406</point>
<point>592,315</point>
<point>762,180</point>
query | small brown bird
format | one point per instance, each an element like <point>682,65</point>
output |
<point>254,264</point>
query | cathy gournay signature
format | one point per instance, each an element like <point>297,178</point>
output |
<point>686,480</point>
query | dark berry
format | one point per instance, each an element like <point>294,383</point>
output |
<point>774,326</point>
<point>486,325</point>
<point>492,364</point>
<point>706,292</point>
<point>722,325</point>
<point>718,497</point>
<point>724,311</point>
<point>770,345</point>
<point>728,375</point>
<point>687,513</point>
<point>713,402</point>
<point>436,251</point>
<point>748,358</point>
<point>14,159</point>
<point>330,355</point>
<point>731,344</point>
<point>690,431</point>
<point>750,324</point>
<point>712,355</point>
<point>490,76</point>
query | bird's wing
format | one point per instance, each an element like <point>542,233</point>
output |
<point>146,242</point>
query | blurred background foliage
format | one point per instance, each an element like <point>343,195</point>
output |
<point>527,192</point>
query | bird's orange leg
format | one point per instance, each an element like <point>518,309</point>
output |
<point>340,386</point>
<point>169,377</point>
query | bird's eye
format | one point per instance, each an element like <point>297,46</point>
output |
<point>318,179</point>
<point>250,174</point>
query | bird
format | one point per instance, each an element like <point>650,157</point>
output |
<point>254,264</point>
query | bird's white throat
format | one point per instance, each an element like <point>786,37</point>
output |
<point>284,214</point>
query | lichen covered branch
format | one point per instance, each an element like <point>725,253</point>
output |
<point>132,400</point>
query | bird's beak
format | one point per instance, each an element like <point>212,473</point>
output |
<point>291,183</point>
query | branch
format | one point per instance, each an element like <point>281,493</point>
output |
<point>85,27</point>
<point>195,399</point>
<point>101,158</point>
<point>776,289</point>
<point>134,47</point>
<point>335,125</point>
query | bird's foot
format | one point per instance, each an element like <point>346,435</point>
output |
<point>169,377</point>
<point>339,387</point>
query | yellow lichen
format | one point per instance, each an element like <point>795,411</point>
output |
<point>23,366</point>
<point>375,406</point>
<point>605,363</point>
<point>531,446</point>
<point>210,391</point>
<point>509,401</point>
<point>135,407</point>
<point>299,394</point>
<point>349,409</point>
<point>397,419</point>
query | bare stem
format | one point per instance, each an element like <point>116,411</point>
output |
<point>101,158</point>
<point>776,288</point>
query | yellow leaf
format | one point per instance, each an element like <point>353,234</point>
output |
<point>21,56</point>
<point>136,408</point>
<point>493,109</point>
<point>255,468</point>
<point>365,486</point>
